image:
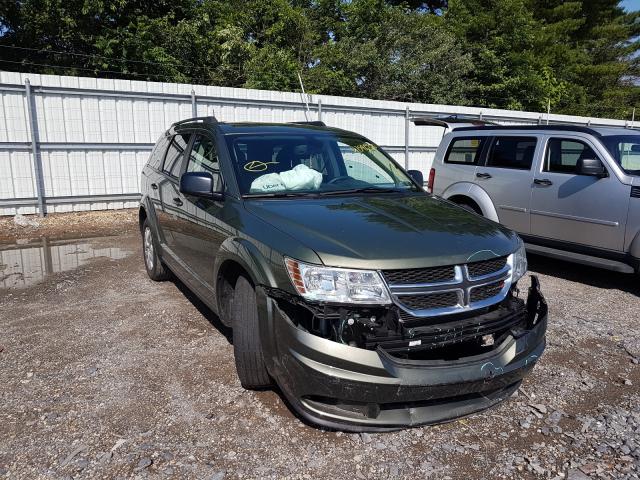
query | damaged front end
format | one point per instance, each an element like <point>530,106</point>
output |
<point>436,338</point>
<point>359,367</point>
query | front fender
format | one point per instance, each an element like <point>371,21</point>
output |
<point>475,193</point>
<point>249,257</point>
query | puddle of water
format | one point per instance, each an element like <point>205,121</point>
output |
<point>27,263</point>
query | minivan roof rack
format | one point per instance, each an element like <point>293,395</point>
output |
<point>208,119</point>
<point>315,123</point>
<point>451,121</point>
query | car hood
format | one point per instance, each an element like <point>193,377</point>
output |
<point>386,231</point>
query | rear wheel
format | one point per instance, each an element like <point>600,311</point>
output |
<point>247,348</point>
<point>155,269</point>
<point>469,208</point>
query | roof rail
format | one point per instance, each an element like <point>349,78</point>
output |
<point>315,123</point>
<point>208,119</point>
<point>451,121</point>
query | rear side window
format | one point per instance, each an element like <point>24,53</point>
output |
<point>512,152</point>
<point>563,154</point>
<point>465,151</point>
<point>157,154</point>
<point>175,153</point>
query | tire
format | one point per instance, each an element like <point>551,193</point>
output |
<point>247,348</point>
<point>152,262</point>
<point>470,208</point>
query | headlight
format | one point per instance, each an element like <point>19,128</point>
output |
<point>339,285</point>
<point>519,263</point>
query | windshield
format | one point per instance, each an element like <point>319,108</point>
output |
<point>311,163</point>
<point>625,149</point>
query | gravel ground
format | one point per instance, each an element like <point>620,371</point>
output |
<point>106,374</point>
<point>68,225</point>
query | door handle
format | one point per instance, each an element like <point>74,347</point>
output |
<point>483,175</point>
<point>177,201</point>
<point>543,181</point>
<point>154,186</point>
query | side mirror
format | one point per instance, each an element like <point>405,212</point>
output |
<point>417,176</point>
<point>202,184</point>
<point>591,167</point>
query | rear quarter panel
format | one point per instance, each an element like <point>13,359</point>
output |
<point>448,174</point>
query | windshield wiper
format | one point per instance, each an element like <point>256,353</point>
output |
<point>362,190</point>
<point>280,195</point>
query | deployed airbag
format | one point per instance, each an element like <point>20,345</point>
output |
<point>300,177</point>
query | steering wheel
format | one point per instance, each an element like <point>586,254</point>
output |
<point>338,179</point>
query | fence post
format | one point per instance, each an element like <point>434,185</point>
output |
<point>194,106</point>
<point>319,109</point>
<point>407,114</point>
<point>35,149</point>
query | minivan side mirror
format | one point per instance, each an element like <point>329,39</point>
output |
<point>202,184</point>
<point>592,167</point>
<point>417,176</point>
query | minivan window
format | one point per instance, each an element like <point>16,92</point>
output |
<point>563,154</point>
<point>155,159</point>
<point>512,152</point>
<point>319,163</point>
<point>625,149</point>
<point>464,151</point>
<point>175,153</point>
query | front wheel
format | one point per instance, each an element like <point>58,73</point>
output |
<point>247,347</point>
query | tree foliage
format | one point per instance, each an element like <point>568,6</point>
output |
<point>579,56</point>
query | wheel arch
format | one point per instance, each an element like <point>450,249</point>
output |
<point>472,193</point>
<point>634,247</point>
<point>238,257</point>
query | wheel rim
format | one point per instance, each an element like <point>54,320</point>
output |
<point>148,248</point>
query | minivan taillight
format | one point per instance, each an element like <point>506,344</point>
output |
<point>432,179</point>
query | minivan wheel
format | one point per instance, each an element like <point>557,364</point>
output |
<point>155,269</point>
<point>247,348</point>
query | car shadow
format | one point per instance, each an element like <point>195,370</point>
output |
<point>575,272</point>
<point>204,310</point>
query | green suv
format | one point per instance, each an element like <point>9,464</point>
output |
<point>371,304</point>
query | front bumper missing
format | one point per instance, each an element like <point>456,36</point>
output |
<point>355,389</point>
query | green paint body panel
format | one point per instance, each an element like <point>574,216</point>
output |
<point>198,238</point>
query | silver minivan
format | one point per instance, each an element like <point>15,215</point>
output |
<point>571,192</point>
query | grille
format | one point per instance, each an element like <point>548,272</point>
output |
<point>419,275</point>
<point>429,301</point>
<point>478,269</point>
<point>635,192</point>
<point>487,291</point>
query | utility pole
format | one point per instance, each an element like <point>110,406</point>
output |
<point>548,109</point>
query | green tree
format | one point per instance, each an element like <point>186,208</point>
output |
<point>591,47</point>
<point>579,55</point>
<point>389,52</point>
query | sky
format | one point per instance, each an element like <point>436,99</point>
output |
<point>631,5</point>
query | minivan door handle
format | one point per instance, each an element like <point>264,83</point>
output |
<point>483,175</point>
<point>177,201</point>
<point>154,186</point>
<point>543,182</point>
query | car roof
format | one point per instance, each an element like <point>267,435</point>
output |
<point>259,127</point>
<point>256,127</point>
<point>596,131</point>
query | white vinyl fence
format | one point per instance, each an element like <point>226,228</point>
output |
<point>75,143</point>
